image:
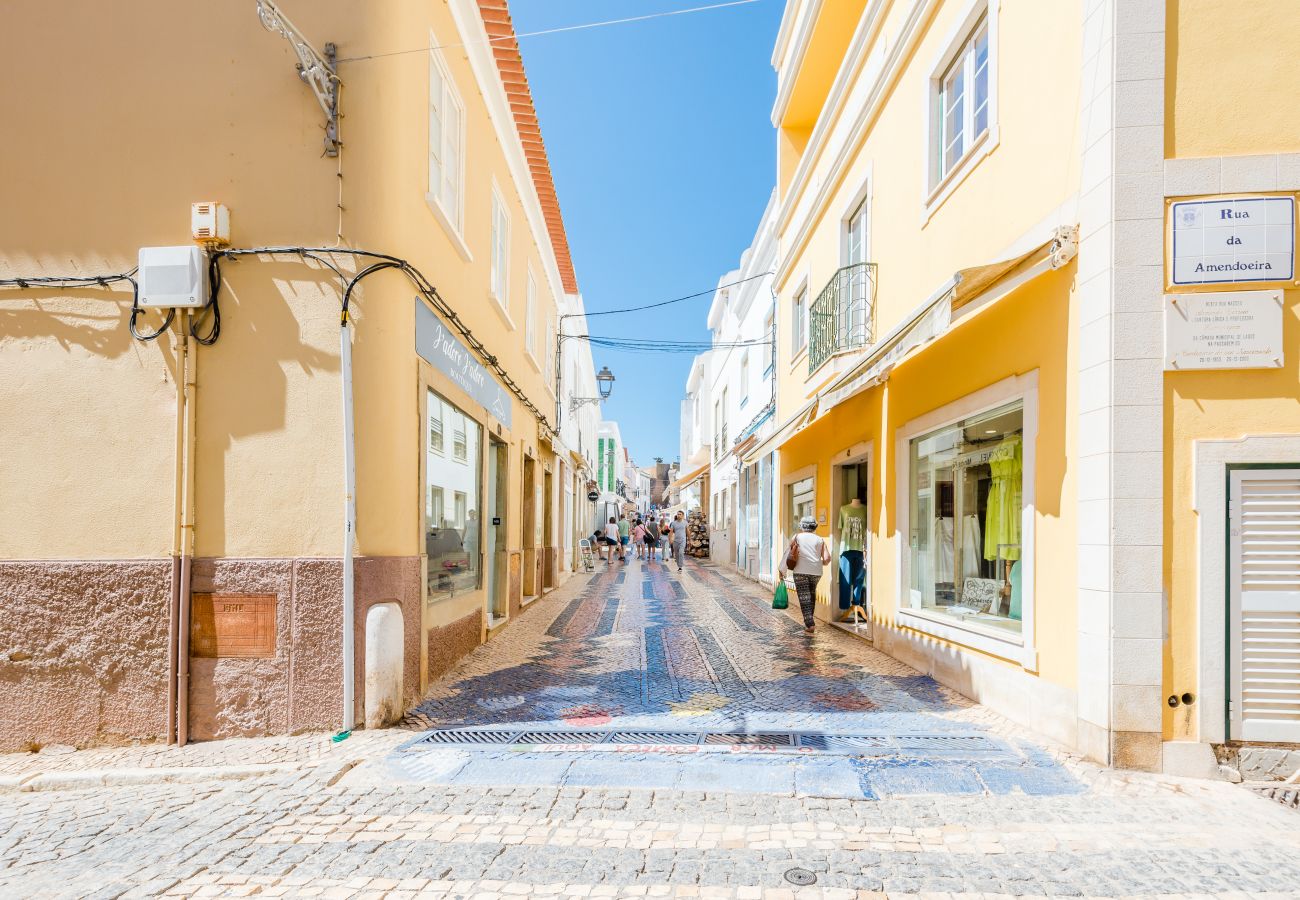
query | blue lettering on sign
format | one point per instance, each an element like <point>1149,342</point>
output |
<point>443,350</point>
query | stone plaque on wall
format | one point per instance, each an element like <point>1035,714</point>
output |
<point>232,626</point>
<point>1224,330</point>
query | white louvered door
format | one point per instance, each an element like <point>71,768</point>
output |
<point>1264,579</point>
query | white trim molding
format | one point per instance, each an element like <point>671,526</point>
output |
<point>1019,648</point>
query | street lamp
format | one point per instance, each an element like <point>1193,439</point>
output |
<point>604,383</point>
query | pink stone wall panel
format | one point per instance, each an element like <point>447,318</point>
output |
<point>448,643</point>
<point>83,652</point>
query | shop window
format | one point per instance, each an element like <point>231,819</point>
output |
<point>452,536</point>
<point>967,484</point>
<point>800,499</point>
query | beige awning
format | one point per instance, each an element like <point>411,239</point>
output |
<point>689,478</point>
<point>795,423</point>
<point>935,316</point>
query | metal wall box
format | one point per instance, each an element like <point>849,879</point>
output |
<point>173,277</point>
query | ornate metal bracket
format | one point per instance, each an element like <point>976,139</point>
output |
<point>318,71</point>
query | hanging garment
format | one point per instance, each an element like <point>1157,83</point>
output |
<point>853,527</point>
<point>970,546</point>
<point>853,572</point>
<point>1014,578</point>
<point>943,552</point>
<point>1002,519</point>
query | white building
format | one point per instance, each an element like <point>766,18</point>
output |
<point>610,464</point>
<point>742,399</point>
<point>578,418</point>
<point>696,438</point>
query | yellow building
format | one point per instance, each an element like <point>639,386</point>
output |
<point>986,329</point>
<point>176,520</point>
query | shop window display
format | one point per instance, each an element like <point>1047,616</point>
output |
<point>452,495</point>
<point>967,481</point>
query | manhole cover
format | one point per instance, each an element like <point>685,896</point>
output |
<point>800,876</point>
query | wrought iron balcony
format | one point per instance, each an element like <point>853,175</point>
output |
<point>843,315</point>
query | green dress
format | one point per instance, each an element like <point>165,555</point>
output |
<point>1002,519</point>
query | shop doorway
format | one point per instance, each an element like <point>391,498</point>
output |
<point>495,525</point>
<point>530,527</point>
<point>548,531</point>
<point>850,528</point>
<point>1264,601</point>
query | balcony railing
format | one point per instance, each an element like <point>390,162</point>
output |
<point>843,315</point>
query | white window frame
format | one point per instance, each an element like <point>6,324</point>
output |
<point>940,183</point>
<point>530,318</point>
<point>799,324</point>
<point>450,216</point>
<point>499,256</point>
<point>1019,648</point>
<point>744,377</point>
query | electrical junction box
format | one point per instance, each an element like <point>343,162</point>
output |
<point>173,277</point>
<point>210,224</point>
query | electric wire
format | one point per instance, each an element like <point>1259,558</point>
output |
<point>563,28</point>
<point>423,285</point>
<point>52,282</point>
<point>712,290</point>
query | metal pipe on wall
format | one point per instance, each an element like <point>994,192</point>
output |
<point>187,537</point>
<point>178,507</point>
<point>349,529</point>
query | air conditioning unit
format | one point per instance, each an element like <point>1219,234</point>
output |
<point>173,277</point>
<point>210,224</point>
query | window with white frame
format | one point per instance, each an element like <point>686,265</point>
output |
<point>961,100</point>
<point>446,133</point>
<point>550,346</point>
<point>500,251</point>
<point>744,378</point>
<point>530,316</point>
<point>799,320</point>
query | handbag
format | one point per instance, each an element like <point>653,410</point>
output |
<point>792,555</point>
<point>781,597</point>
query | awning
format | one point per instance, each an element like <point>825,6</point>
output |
<point>793,424</point>
<point>967,288</point>
<point>689,478</point>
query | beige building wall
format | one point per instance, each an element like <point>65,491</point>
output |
<point>211,108</point>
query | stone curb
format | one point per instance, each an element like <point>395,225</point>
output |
<point>93,778</point>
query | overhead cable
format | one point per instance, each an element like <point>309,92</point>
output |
<point>712,290</point>
<point>580,27</point>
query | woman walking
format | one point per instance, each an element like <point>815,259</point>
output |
<point>651,538</point>
<point>638,538</point>
<point>811,554</point>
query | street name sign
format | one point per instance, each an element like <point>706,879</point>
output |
<point>1232,240</point>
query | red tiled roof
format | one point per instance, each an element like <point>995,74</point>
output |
<point>510,66</point>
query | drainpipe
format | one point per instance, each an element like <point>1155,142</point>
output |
<point>178,501</point>
<point>189,366</point>
<point>349,529</point>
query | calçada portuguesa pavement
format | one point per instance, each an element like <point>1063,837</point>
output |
<point>593,749</point>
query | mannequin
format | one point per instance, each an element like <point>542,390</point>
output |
<point>853,541</point>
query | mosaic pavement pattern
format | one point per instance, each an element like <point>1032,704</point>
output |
<point>664,658</point>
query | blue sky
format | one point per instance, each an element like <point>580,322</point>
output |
<point>663,152</point>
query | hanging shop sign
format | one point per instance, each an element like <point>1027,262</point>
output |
<point>593,496</point>
<point>1224,330</point>
<point>443,350</point>
<point>1236,240</point>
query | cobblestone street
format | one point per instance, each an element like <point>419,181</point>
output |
<point>938,798</point>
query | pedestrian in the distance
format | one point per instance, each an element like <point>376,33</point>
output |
<point>810,556</point>
<point>678,529</point>
<point>651,538</point>
<point>612,539</point>
<point>638,538</point>
<point>624,534</point>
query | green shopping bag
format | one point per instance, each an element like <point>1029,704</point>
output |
<point>780,599</point>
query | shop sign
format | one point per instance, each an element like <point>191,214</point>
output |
<point>1232,241</point>
<point>1224,330</point>
<point>443,350</point>
<point>593,496</point>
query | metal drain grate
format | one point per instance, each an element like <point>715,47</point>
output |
<point>847,744</point>
<point>770,739</point>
